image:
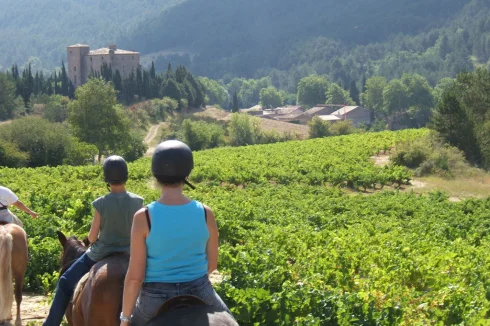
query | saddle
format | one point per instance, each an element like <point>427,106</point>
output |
<point>179,302</point>
<point>189,310</point>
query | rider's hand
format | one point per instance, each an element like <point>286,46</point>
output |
<point>125,323</point>
<point>34,214</point>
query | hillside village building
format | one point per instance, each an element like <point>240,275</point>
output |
<point>327,112</point>
<point>82,61</point>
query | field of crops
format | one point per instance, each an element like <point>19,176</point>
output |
<point>296,249</point>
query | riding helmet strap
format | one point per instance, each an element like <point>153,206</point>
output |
<point>148,218</point>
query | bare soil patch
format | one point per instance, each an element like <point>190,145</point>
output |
<point>381,160</point>
<point>150,137</point>
<point>266,124</point>
<point>34,309</point>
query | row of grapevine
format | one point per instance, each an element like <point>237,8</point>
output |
<point>295,250</point>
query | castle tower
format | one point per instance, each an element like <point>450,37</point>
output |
<point>76,63</point>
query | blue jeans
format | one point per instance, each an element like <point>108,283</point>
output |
<point>153,296</point>
<point>64,290</point>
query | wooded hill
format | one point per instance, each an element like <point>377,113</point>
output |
<point>283,39</point>
<point>40,30</point>
<point>288,39</point>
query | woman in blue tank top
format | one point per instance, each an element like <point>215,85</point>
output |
<point>174,242</point>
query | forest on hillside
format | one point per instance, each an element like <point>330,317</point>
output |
<point>285,40</point>
<point>38,32</point>
<point>288,40</point>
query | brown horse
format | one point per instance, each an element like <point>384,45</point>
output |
<point>13,265</point>
<point>98,298</point>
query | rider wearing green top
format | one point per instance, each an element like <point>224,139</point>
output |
<point>110,233</point>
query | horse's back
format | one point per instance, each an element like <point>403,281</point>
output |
<point>100,301</point>
<point>202,315</point>
<point>19,247</point>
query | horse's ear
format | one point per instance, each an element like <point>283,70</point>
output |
<point>86,242</point>
<point>61,238</point>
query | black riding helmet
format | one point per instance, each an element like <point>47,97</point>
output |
<point>172,160</point>
<point>115,170</point>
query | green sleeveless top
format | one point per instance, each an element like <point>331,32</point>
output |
<point>116,211</point>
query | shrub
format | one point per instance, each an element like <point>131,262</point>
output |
<point>318,128</point>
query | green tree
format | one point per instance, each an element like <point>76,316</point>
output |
<point>373,96</point>
<point>7,96</point>
<point>354,92</point>
<point>396,96</point>
<point>442,86</point>
<point>235,103</point>
<point>337,95</point>
<point>215,92</point>
<point>95,117</point>
<point>270,98</point>
<point>56,108</point>
<point>311,90</point>
<point>452,121</point>
<point>46,143</point>
<point>243,129</point>
<point>317,128</point>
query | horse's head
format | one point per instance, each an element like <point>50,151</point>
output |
<point>72,249</point>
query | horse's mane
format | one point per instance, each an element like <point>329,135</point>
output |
<point>72,250</point>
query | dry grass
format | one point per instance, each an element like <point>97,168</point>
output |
<point>473,185</point>
<point>266,124</point>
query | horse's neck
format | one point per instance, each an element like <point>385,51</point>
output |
<point>71,254</point>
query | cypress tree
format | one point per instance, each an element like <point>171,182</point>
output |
<point>235,103</point>
<point>354,92</point>
<point>64,80</point>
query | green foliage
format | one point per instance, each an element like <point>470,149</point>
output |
<point>45,143</point>
<point>462,115</point>
<point>243,129</point>
<point>270,98</point>
<point>317,128</point>
<point>311,90</point>
<point>80,153</point>
<point>337,95</point>
<point>430,155</point>
<point>235,106</point>
<point>96,119</point>
<point>250,89</point>
<point>344,127</point>
<point>7,96</point>
<point>56,108</point>
<point>431,270</point>
<point>215,92</point>
<point>11,156</point>
<point>201,135</point>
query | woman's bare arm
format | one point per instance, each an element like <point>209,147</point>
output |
<point>137,263</point>
<point>213,242</point>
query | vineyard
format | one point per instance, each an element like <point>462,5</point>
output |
<point>296,248</point>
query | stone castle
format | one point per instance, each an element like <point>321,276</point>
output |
<point>82,61</point>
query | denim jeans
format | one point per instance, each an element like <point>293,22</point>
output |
<point>64,290</point>
<point>153,296</point>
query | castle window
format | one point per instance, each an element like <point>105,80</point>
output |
<point>90,58</point>
<point>102,58</point>
<point>133,57</point>
<point>70,51</point>
<point>74,68</point>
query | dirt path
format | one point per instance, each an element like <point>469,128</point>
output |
<point>34,309</point>
<point>152,133</point>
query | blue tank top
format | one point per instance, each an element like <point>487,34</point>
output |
<point>176,245</point>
